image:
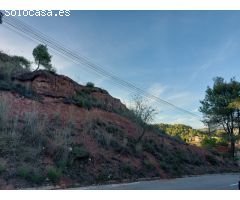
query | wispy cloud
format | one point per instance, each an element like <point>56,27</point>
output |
<point>222,53</point>
<point>181,98</point>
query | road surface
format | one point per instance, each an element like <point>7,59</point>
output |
<point>203,182</point>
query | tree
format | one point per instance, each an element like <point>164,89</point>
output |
<point>143,112</point>
<point>42,57</point>
<point>23,62</point>
<point>219,107</point>
<point>1,17</point>
<point>186,133</point>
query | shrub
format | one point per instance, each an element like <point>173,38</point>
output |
<point>24,171</point>
<point>21,90</point>
<point>150,146</point>
<point>100,122</point>
<point>90,85</point>
<point>209,142</point>
<point>37,178</point>
<point>3,165</point>
<point>31,174</point>
<point>164,166</point>
<point>4,111</point>
<point>54,174</point>
<point>112,129</point>
<point>149,165</point>
<point>84,100</point>
<point>138,148</point>
<point>211,159</point>
<point>80,152</point>
<point>12,65</point>
<point>127,168</point>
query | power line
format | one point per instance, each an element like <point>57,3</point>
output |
<point>119,81</point>
<point>31,32</point>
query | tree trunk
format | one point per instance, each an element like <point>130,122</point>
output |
<point>38,65</point>
<point>141,136</point>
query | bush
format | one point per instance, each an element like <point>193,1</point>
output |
<point>149,165</point>
<point>112,129</point>
<point>164,166</point>
<point>209,142</point>
<point>33,175</point>
<point>80,152</point>
<point>22,90</point>
<point>4,112</point>
<point>128,168</point>
<point>54,174</point>
<point>84,101</point>
<point>36,177</point>
<point>90,85</point>
<point>3,165</point>
<point>12,65</point>
<point>24,172</point>
<point>211,159</point>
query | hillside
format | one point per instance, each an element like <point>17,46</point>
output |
<point>55,131</point>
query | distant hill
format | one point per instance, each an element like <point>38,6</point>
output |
<point>55,131</point>
<point>184,132</point>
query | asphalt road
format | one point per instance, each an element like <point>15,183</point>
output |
<point>203,182</point>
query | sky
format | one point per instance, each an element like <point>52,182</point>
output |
<point>173,55</point>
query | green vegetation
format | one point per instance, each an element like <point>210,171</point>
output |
<point>80,152</point>
<point>12,65</point>
<point>3,165</point>
<point>85,100</point>
<point>220,109</point>
<point>128,168</point>
<point>54,174</point>
<point>30,136</point>
<point>195,137</point>
<point>42,57</point>
<point>90,85</point>
<point>31,174</point>
<point>186,133</point>
<point>107,135</point>
<point>24,171</point>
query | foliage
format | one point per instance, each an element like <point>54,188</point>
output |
<point>80,152</point>
<point>128,168</point>
<point>12,65</point>
<point>3,165</point>
<point>218,107</point>
<point>90,85</point>
<point>85,100</point>
<point>24,171</point>
<point>211,159</point>
<point>186,133</point>
<point>213,141</point>
<point>23,62</point>
<point>54,174</point>
<point>42,57</point>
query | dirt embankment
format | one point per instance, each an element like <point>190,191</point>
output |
<point>57,131</point>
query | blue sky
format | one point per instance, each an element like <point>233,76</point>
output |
<point>172,54</point>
